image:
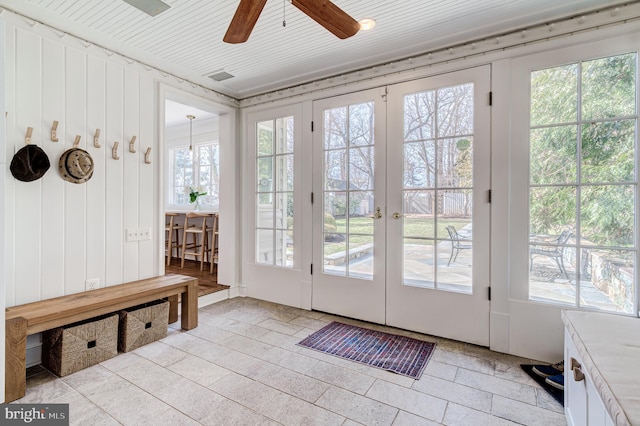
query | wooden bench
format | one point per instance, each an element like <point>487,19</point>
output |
<point>36,317</point>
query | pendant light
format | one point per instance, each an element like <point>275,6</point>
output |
<point>191,117</point>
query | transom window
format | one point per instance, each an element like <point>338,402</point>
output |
<point>583,184</point>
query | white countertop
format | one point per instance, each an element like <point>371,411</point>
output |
<point>609,346</point>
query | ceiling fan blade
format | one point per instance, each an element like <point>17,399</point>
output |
<point>329,16</point>
<point>244,20</point>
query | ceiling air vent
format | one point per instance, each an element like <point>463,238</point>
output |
<point>150,7</point>
<point>220,76</point>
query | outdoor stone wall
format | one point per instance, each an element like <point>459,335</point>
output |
<point>614,278</point>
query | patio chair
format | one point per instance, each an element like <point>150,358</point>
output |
<point>457,243</point>
<point>555,252</point>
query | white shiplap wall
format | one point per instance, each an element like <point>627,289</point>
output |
<point>59,234</point>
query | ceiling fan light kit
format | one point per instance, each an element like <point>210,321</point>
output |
<point>367,24</point>
<point>324,12</point>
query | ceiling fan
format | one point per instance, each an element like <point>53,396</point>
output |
<point>324,12</point>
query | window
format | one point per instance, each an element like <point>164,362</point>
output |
<point>274,192</point>
<point>583,184</point>
<point>196,169</point>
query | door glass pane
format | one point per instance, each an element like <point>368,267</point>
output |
<point>419,262</point>
<point>361,168</point>
<point>438,186</point>
<point>335,128</point>
<point>265,174</point>
<point>361,124</point>
<point>265,138</point>
<point>264,246</point>
<point>284,172</point>
<point>418,156</point>
<point>454,112</point>
<point>274,192</point>
<point>348,204</point>
<point>419,115</point>
<point>583,187</point>
<point>361,212</point>
<point>419,220</point>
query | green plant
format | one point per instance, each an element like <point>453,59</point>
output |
<point>195,193</point>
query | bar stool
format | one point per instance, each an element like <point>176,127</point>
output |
<point>172,237</point>
<point>214,242</point>
<point>198,247</point>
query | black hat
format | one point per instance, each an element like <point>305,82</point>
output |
<point>30,163</point>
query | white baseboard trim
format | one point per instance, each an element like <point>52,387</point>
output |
<point>238,291</point>
<point>209,299</point>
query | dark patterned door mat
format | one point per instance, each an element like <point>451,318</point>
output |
<point>399,354</point>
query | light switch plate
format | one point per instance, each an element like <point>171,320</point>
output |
<point>144,234</point>
<point>131,234</point>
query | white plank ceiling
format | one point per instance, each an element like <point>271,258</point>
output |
<point>186,40</point>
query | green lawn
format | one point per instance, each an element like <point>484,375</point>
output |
<point>414,227</point>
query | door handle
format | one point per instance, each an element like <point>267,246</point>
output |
<point>377,214</point>
<point>397,215</point>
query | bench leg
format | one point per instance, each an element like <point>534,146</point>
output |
<point>190,306</point>
<point>15,375</point>
<point>173,308</point>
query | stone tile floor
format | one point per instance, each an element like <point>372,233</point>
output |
<point>241,366</point>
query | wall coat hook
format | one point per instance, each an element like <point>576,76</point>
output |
<point>76,141</point>
<point>147,156</point>
<point>114,151</point>
<point>96,139</point>
<point>54,131</point>
<point>132,147</point>
<point>27,138</point>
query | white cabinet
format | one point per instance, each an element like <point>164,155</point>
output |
<point>582,404</point>
<point>596,346</point>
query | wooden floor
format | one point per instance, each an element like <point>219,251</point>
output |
<point>207,283</point>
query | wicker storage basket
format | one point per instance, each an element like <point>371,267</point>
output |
<point>73,347</point>
<point>143,324</point>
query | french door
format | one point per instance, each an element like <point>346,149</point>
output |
<point>437,194</point>
<point>348,210</point>
<point>401,227</point>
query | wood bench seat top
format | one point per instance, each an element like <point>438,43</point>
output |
<point>46,314</point>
